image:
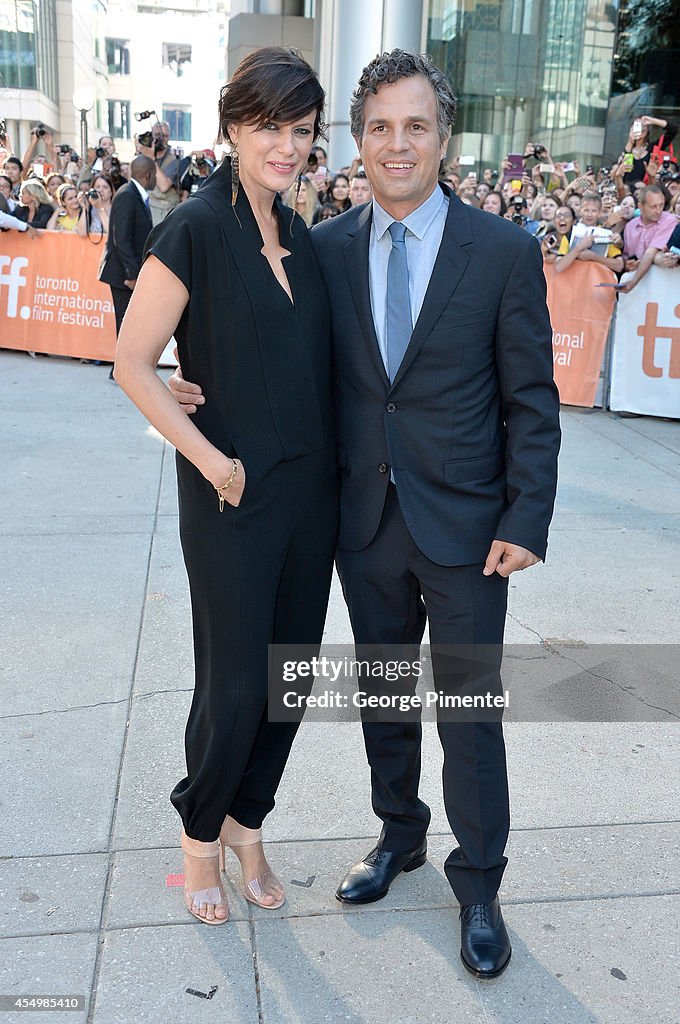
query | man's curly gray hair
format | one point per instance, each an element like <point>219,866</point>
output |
<point>386,68</point>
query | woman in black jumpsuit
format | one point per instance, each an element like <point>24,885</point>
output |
<point>259,567</point>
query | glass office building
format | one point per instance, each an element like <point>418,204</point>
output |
<point>568,74</point>
<point>28,46</point>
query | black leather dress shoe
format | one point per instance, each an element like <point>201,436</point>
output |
<point>484,944</point>
<point>370,879</point>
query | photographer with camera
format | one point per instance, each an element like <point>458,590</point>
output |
<point>40,133</point>
<point>94,159</point>
<point>164,196</point>
<point>97,205</point>
<point>200,166</point>
<point>518,213</point>
<point>546,174</point>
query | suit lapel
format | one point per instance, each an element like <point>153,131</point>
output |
<point>356,264</point>
<point>449,267</point>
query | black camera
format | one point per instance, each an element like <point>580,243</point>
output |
<point>92,193</point>
<point>551,241</point>
<point>538,150</point>
<point>63,148</point>
<point>198,161</point>
<point>494,174</point>
<point>590,169</point>
<point>145,138</point>
<point>40,130</point>
<point>100,153</point>
<point>518,204</point>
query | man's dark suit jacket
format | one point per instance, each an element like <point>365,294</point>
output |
<point>470,426</point>
<point>129,225</point>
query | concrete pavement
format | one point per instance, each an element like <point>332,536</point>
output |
<point>96,682</point>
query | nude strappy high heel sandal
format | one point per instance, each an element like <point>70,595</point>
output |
<point>213,896</point>
<point>264,885</point>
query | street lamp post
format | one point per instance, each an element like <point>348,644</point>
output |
<point>83,100</point>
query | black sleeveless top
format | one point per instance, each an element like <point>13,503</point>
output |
<point>263,362</point>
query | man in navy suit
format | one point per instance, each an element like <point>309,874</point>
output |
<point>448,435</point>
<point>129,225</point>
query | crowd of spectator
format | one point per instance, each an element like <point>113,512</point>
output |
<point>59,190</point>
<point>625,216</point>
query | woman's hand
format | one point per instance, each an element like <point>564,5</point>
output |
<point>230,481</point>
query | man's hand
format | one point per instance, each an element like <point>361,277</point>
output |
<point>505,558</point>
<point>188,396</point>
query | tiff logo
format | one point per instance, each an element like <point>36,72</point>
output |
<point>650,332</point>
<point>14,281</point>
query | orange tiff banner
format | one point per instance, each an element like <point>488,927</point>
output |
<point>580,313</point>
<point>50,298</point>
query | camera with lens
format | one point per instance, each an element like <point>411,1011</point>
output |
<point>517,204</point>
<point>63,148</point>
<point>493,174</point>
<point>590,169</point>
<point>538,151</point>
<point>100,153</point>
<point>92,193</point>
<point>145,138</point>
<point>40,130</point>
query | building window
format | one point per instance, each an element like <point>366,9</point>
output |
<point>118,56</point>
<point>28,38</point>
<point>179,119</point>
<point>175,56</point>
<point>119,119</point>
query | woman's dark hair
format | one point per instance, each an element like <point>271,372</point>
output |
<point>328,194</point>
<point>274,83</point>
<point>503,207</point>
<point>105,177</point>
<point>325,211</point>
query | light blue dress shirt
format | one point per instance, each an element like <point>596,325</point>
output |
<point>425,227</point>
